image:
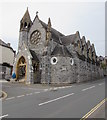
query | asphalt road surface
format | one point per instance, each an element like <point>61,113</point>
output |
<point>35,101</point>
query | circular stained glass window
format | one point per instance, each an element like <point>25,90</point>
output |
<point>35,37</point>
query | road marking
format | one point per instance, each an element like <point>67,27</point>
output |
<point>59,87</point>
<point>88,88</point>
<point>55,88</point>
<point>31,88</point>
<point>55,99</point>
<point>68,86</point>
<point>29,94</point>
<point>20,96</point>
<point>45,89</point>
<point>6,86</point>
<point>50,88</point>
<point>10,98</point>
<point>3,81</point>
<point>101,84</point>
<point>36,92</point>
<point>94,109</point>
<point>63,87</point>
<point>34,89</point>
<point>4,116</point>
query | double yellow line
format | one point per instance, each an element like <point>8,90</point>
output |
<point>94,109</point>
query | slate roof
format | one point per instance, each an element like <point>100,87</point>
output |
<point>26,16</point>
<point>61,50</point>
<point>67,40</point>
<point>34,55</point>
<point>59,37</point>
<point>55,34</point>
<point>62,41</point>
<point>2,43</point>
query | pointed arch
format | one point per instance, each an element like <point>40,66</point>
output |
<point>21,26</point>
<point>29,25</point>
<point>25,25</point>
<point>21,68</point>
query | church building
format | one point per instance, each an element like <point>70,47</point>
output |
<point>47,56</point>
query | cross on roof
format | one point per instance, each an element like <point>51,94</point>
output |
<point>37,12</point>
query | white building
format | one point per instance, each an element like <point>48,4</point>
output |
<point>6,60</point>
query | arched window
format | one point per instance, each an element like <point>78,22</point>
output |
<point>22,60</point>
<point>29,25</point>
<point>21,26</point>
<point>25,25</point>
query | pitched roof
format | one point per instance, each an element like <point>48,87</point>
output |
<point>55,34</point>
<point>61,50</point>
<point>83,41</point>
<point>34,55</point>
<point>70,39</point>
<point>88,44</point>
<point>64,41</point>
<point>26,16</point>
<point>2,43</point>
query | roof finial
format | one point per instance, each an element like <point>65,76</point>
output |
<point>49,21</point>
<point>37,13</point>
<point>49,24</point>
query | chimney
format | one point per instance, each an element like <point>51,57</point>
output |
<point>8,44</point>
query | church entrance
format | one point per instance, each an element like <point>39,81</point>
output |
<point>21,69</point>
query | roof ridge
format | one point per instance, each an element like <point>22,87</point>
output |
<point>2,43</point>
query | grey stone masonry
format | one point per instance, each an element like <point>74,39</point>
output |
<point>23,37</point>
<point>53,58</point>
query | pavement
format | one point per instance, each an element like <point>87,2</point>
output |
<point>100,112</point>
<point>43,101</point>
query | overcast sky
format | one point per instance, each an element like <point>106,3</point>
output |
<point>66,16</point>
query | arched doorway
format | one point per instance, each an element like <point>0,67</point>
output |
<point>21,69</point>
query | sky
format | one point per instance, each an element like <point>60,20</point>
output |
<point>67,16</point>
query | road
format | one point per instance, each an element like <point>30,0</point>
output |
<point>35,101</point>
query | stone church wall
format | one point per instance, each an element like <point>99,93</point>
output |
<point>63,71</point>
<point>82,71</point>
<point>87,71</point>
<point>43,45</point>
<point>45,68</point>
<point>38,48</point>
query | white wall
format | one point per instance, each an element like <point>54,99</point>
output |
<point>6,55</point>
